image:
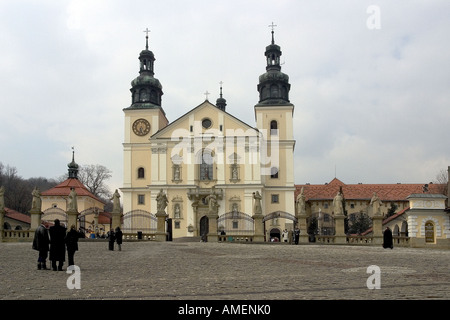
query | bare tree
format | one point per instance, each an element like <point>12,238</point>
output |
<point>442,180</point>
<point>94,177</point>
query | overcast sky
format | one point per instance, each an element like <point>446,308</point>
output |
<point>372,98</point>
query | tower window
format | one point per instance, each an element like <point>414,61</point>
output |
<point>141,173</point>
<point>273,127</point>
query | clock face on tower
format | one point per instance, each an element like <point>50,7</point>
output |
<point>141,127</point>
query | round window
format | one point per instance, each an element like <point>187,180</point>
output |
<point>206,123</point>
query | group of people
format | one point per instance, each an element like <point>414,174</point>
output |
<point>55,240</point>
<point>294,235</point>
<point>115,237</point>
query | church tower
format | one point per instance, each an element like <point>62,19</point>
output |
<point>274,118</point>
<point>143,118</point>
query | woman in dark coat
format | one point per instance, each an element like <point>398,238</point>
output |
<point>57,245</point>
<point>72,243</point>
<point>387,239</point>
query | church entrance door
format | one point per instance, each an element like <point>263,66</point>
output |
<point>204,227</point>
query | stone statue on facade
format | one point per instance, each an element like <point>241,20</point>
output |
<point>116,201</point>
<point>2,199</point>
<point>72,201</point>
<point>338,204</point>
<point>36,203</point>
<point>375,203</point>
<point>162,202</point>
<point>257,208</point>
<point>300,204</point>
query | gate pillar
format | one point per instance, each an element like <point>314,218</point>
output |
<point>161,234</point>
<point>259,228</point>
<point>212,226</point>
<point>72,218</point>
<point>340,236</point>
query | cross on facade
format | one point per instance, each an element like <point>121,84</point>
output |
<point>206,94</point>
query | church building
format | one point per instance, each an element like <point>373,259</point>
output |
<point>216,171</point>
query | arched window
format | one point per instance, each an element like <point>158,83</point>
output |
<point>141,173</point>
<point>206,165</point>
<point>273,128</point>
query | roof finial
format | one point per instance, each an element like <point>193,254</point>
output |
<point>146,38</point>
<point>273,26</point>
<point>221,82</point>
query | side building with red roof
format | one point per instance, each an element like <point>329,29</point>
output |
<point>91,218</point>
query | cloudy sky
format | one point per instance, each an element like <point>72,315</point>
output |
<point>369,79</point>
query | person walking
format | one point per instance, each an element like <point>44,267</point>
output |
<point>41,243</point>
<point>387,239</point>
<point>119,236</point>
<point>296,235</point>
<point>57,245</point>
<point>285,235</point>
<point>71,240</point>
<point>111,239</point>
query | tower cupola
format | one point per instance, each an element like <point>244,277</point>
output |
<point>273,85</point>
<point>146,90</point>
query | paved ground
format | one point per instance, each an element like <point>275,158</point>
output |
<point>228,271</point>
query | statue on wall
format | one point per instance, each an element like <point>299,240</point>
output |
<point>116,201</point>
<point>338,204</point>
<point>301,203</point>
<point>375,203</point>
<point>36,203</point>
<point>73,202</point>
<point>257,208</point>
<point>162,202</point>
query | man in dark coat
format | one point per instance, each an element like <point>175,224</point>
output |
<point>72,244</point>
<point>57,245</point>
<point>387,239</point>
<point>296,235</point>
<point>111,239</point>
<point>119,236</point>
<point>41,242</point>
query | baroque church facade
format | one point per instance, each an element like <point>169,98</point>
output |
<point>216,171</point>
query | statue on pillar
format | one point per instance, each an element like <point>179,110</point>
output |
<point>72,205</point>
<point>257,208</point>
<point>162,202</point>
<point>300,204</point>
<point>36,203</point>
<point>338,204</point>
<point>212,201</point>
<point>116,201</point>
<point>375,203</point>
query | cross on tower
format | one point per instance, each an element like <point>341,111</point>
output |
<point>273,27</point>
<point>146,38</point>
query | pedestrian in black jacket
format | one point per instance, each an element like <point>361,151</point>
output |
<point>57,245</point>
<point>41,242</point>
<point>72,243</point>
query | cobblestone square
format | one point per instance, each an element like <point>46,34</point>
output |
<point>228,271</point>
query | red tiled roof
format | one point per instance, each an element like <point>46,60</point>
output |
<point>386,192</point>
<point>12,214</point>
<point>63,189</point>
